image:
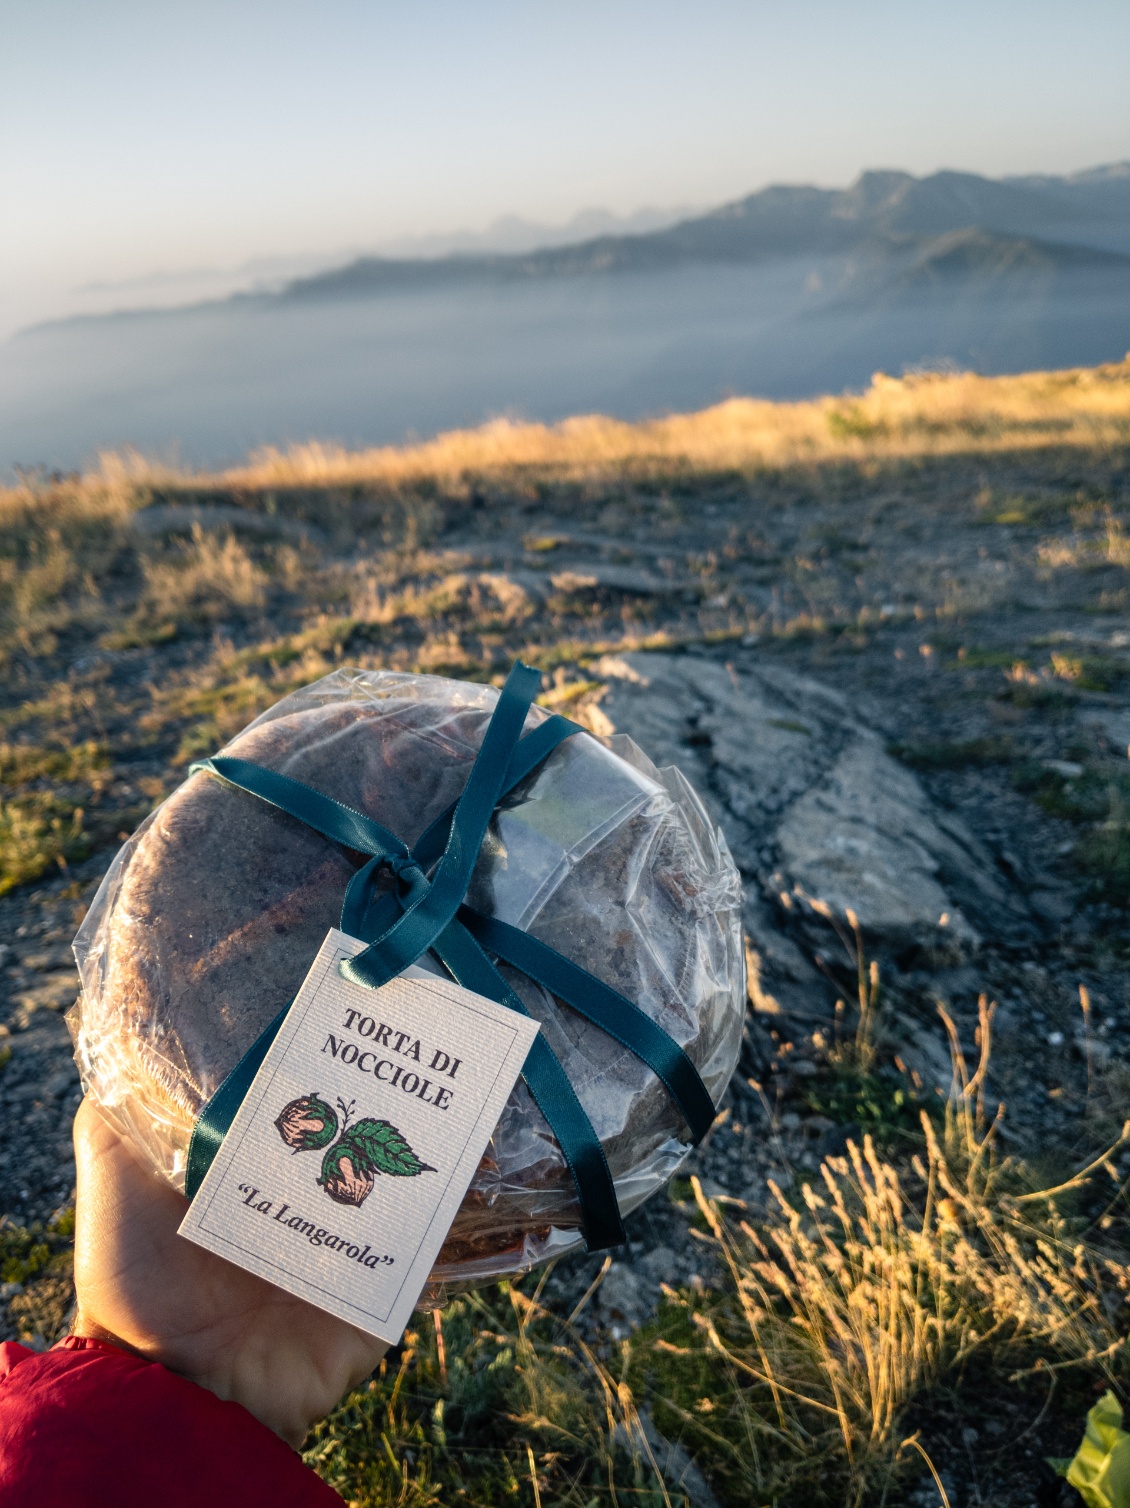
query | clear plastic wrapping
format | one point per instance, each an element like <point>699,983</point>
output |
<point>208,919</point>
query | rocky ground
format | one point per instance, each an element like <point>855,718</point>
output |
<point>904,691</point>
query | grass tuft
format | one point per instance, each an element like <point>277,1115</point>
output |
<point>858,1295</point>
<point>955,754</point>
<point>1104,853</point>
<point>496,1401</point>
<point>38,1258</point>
<point>207,577</point>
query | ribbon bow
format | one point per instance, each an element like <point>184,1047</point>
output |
<point>429,915</point>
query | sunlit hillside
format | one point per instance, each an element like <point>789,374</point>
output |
<point>889,1281</point>
<point>930,413</point>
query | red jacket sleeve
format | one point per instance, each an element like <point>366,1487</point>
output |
<point>88,1423</point>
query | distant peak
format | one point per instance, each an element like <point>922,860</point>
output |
<point>879,183</point>
<point>1103,174</point>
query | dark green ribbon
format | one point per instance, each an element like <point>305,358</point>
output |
<point>425,915</point>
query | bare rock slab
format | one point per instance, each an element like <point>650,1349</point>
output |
<point>810,801</point>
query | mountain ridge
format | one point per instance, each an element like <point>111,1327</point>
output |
<point>883,211</point>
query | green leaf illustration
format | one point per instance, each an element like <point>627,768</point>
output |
<point>379,1147</point>
<point>1100,1470</point>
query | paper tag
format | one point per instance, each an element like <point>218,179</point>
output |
<point>348,1159</point>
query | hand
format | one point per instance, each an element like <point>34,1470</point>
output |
<point>142,1286</point>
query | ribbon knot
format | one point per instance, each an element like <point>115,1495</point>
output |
<point>410,880</point>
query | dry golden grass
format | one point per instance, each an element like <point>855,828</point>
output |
<point>927,413</point>
<point>922,414</point>
<point>863,1291</point>
<point>1089,546</point>
<point>212,576</point>
<point>496,1401</point>
<point>61,540</point>
<point>487,598</point>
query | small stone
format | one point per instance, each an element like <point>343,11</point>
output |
<point>659,1264</point>
<point>1065,767</point>
<point>1052,905</point>
<point>621,1294</point>
<point>834,1143</point>
<point>9,1291</point>
<point>56,991</point>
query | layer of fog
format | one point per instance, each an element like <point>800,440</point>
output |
<point>177,286</point>
<point>208,385</point>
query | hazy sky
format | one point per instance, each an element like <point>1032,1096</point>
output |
<point>172,134</point>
